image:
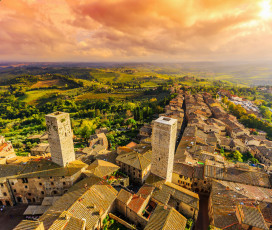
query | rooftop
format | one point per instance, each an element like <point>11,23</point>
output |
<point>164,219</point>
<point>166,120</point>
<point>39,168</point>
<point>137,160</point>
<point>87,199</point>
<point>101,168</point>
<point>169,190</point>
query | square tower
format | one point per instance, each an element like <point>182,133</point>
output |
<point>163,147</point>
<point>60,138</point>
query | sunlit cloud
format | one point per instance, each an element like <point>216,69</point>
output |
<point>135,30</point>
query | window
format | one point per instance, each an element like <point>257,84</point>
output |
<point>50,177</point>
<point>26,186</point>
<point>12,183</point>
<point>42,192</point>
<point>2,185</point>
<point>205,182</point>
<point>5,194</point>
<point>40,183</point>
<point>62,176</point>
<point>14,190</point>
<point>29,194</point>
<point>39,178</point>
<point>64,183</point>
<point>25,180</point>
<point>52,183</point>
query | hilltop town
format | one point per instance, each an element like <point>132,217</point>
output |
<point>195,166</point>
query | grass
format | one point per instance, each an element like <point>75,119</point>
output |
<point>95,96</point>
<point>34,95</point>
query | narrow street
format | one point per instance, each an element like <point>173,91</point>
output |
<point>202,222</point>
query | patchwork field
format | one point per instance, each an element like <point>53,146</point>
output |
<point>48,83</point>
<point>32,96</point>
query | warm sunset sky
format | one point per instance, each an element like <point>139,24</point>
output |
<point>135,30</point>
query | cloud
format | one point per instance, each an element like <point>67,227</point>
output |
<point>128,30</point>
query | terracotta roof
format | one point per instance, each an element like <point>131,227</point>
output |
<point>29,225</point>
<point>145,191</point>
<point>238,175</point>
<point>252,216</point>
<point>136,203</point>
<point>87,199</point>
<point>137,160</point>
<point>154,180</point>
<point>131,144</point>
<point>184,169</point>
<point>124,196</point>
<point>39,168</point>
<point>227,196</point>
<point>166,219</point>
<point>169,190</point>
<point>101,168</point>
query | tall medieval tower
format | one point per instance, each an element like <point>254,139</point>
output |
<point>163,147</point>
<point>60,138</point>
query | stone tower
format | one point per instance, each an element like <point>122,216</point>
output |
<point>163,147</point>
<point>60,138</point>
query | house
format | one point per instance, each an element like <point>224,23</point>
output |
<point>263,154</point>
<point>183,200</point>
<point>165,218</point>
<point>6,150</point>
<point>133,206</point>
<point>98,139</point>
<point>145,131</point>
<point>40,149</point>
<point>135,164</point>
<point>239,173</point>
<point>230,144</point>
<point>84,206</point>
<point>33,180</point>
<point>239,206</point>
<point>183,175</point>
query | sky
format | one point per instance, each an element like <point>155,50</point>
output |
<point>135,30</point>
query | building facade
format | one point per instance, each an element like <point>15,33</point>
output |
<point>163,147</point>
<point>60,138</point>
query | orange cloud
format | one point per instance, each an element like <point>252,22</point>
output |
<point>134,30</point>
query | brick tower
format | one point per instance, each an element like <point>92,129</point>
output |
<point>60,138</point>
<point>163,147</point>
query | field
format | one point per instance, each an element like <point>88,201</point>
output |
<point>96,96</point>
<point>32,96</point>
<point>48,83</point>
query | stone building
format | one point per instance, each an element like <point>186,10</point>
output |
<point>60,137</point>
<point>99,139</point>
<point>32,181</point>
<point>40,149</point>
<point>239,206</point>
<point>135,164</point>
<point>6,150</point>
<point>84,206</point>
<point>163,147</point>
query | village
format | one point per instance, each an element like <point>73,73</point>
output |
<point>177,177</point>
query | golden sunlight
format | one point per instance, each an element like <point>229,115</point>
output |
<point>265,12</point>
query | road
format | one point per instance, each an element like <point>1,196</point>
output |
<point>11,216</point>
<point>202,222</point>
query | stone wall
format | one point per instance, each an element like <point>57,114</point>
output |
<point>163,147</point>
<point>60,138</point>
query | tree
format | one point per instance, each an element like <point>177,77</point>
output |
<point>236,156</point>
